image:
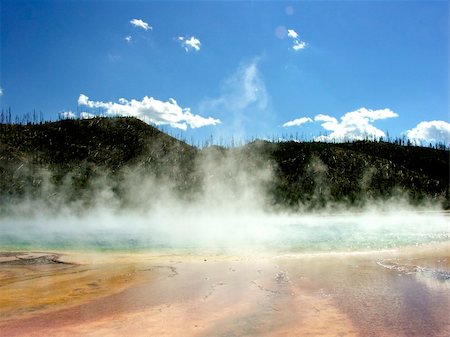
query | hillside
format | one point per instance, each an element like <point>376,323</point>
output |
<point>70,158</point>
<point>315,173</point>
<point>83,151</point>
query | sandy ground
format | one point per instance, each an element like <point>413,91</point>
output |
<point>396,293</point>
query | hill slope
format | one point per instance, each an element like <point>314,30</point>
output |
<point>315,173</point>
<point>83,151</point>
<point>70,158</point>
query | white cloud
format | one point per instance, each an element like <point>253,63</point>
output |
<point>297,43</point>
<point>84,100</point>
<point>67,115</point>
<point>152,111</point>
<point>354,125</point>
<point>128,39</point>
<point>292,34</point>
<point>430,131</point>
<point>86,115</point>
<point>190,44</point>
<point>141,24</point>
<point>298,122</point>
<point>325,118</point>
<point>1,91</point>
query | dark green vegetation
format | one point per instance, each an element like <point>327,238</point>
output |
<point>72,160</point>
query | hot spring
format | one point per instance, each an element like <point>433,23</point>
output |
<point>225,232</point>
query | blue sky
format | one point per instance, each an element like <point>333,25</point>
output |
<point>327,70</point>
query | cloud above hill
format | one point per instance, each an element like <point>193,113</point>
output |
<point>67,115</point>
<point>298,121</point>
<point>151,111</point>
<point>245,88</point>
<point>430,131</point>
<point>358,124</point>
<point>353,125</point>
<point>243,101</point>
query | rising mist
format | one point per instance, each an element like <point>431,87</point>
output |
<point>219,199</point>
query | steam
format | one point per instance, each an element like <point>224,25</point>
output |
<point>230,211</point>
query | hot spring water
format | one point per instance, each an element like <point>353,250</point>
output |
<point>226,232</point>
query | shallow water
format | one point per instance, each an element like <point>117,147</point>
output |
<point>341,275</point>
<point>308,233</point>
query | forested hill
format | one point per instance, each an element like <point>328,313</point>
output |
<point>37,160</point>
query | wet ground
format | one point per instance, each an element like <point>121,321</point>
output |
<point>386,293</point>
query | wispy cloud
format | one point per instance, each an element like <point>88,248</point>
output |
<point>249,87</point>
<point>128,38</point>
<point>241,90</point>
<point>298,122</point>
<point>152,111</point>
<point>353,125</point>
<point>1,91</point>
<point>430,131</point>
<point>141,24</point>
<point>243,101</point>
<point>297,43</point>
<point>189,44</point>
